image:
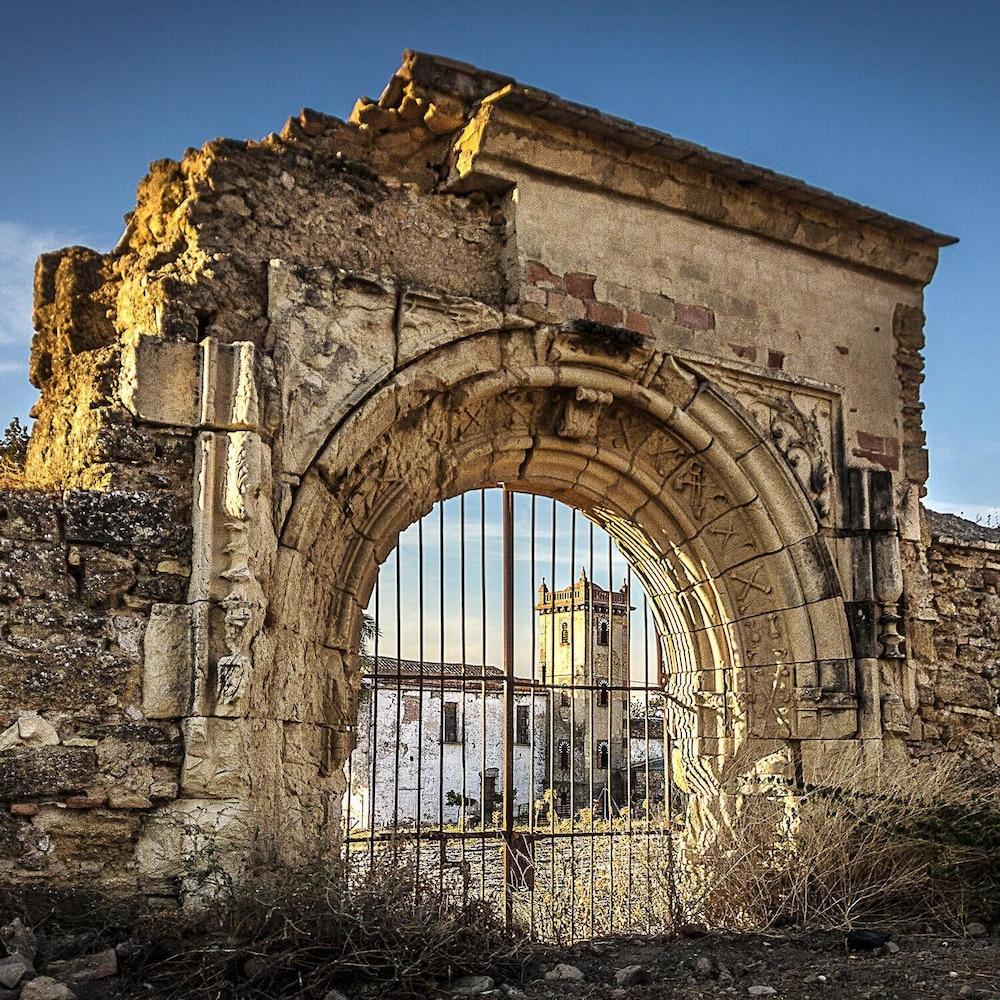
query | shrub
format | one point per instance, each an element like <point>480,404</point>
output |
<point>282,934</point>
<point>867,845</point>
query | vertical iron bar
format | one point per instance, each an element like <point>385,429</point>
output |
<point>373,730</point>
<point>443,852</point>
<point>649,804</point>
<point>483,735</point>
<point>508,720</point>
<point>628,736</point>
<point>531,722</point>
<point>572,728</point>
<point>611,712</point>
<point>550,669</point>
<point>464,683</point>
<point>420,694</point>
<point>590,643</point>
<point>399,709</point>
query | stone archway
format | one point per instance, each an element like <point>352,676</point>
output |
<point>698,499</point>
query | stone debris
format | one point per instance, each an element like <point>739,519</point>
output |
<point>46,988</point>
<point>976,930</point>
<point>761,991</point>
<point>564,973</point>
<point>632,975</point>
<point>704,968</point>
<point>102,965</point>
<point>13,969</point>
<point>19,940</point>
<point>470,986</point>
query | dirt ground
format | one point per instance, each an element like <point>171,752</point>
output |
<point>810,966</point>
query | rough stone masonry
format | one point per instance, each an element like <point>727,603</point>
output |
<point>300,344</point>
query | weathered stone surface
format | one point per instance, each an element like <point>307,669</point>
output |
<point>46,988</point>
<point>167,668</point>
<point>159,381</point>
<point>86,968</point>
<point>46,771</point>
<point>154,520</point>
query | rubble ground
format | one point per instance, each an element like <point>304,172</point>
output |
<point>804,966</point>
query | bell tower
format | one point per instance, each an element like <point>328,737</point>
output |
<point>583,654</point>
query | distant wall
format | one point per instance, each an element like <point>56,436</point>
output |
<point>959,690</point>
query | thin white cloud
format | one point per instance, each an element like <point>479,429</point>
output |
<point>19,248</point>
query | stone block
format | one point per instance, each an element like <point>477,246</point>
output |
<point>160,381</point>
<point>139,520</point>
<point>215,761</point>
<point>47,771</point>
<point>167,662</point>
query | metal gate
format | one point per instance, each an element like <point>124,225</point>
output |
<point>512,740</point>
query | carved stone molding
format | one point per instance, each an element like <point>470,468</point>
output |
<point>799,420</point>
<point>582,413</point>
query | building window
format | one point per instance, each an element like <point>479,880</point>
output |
<point>602,756</point>
<point>564,755</point>
<point>564,633</point>
<point>602,694</point>
<point>602,633</point>
<point>564,698</point>
<point>450,722</point>
<point>522,729</point>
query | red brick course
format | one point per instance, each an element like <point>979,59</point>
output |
<point>880,450</point>
<point>580,285</point>
<point>639,322</point>
<point>694,317</point>
<point>604,312</point>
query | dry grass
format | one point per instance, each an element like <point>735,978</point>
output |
<point>299,934</point>
<point>868,845</point>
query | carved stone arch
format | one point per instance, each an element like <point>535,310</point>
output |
<point>702,504</point>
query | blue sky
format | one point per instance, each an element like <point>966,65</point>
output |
<point>893,104</point>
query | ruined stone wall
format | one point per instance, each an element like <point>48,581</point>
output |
<point>79,762</point>
<point>300,343</point>
<point>99,777</point>
<point>959,684</point>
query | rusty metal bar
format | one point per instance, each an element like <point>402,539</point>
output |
<point>441,732</point>
<point>508,718</point>
<point>399,704</point>
<point>420,699</point>
<point>572,725</point>
<point>609,779</point>
<point>590,648</point>
<point>482,696</point>
<point>373,753</point>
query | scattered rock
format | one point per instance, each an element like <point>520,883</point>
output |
<point>866,940</point>
<point>892,948</point>
<point>564,973</point>
<point>471,986</point>
<point>102,965</point>
<point>976,930</point>
<point>761,991</point>
<point>704,968</point>
<point>632,975</point>
<point>694,930</point>
<point>334,995</point>
<point>47,988</point>
<point>13,970</point>
<point>19,940</point>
